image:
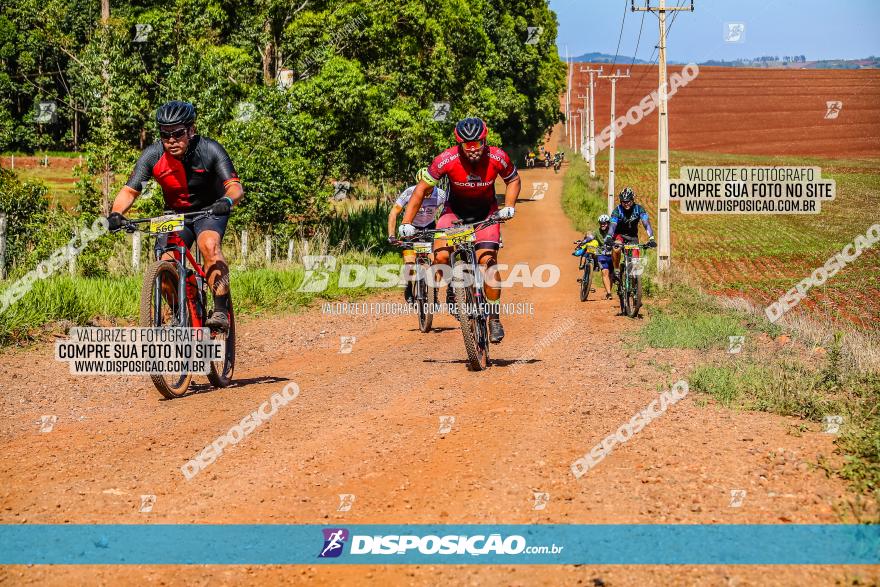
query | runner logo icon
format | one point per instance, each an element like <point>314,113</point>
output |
<point>334,542</point>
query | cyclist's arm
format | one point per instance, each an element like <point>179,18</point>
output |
<point>124,199</point>
<point>234,192</point>
<point>646,222</point>
<point>612,227</point>
<point>510,176</point>
<point>512,192</point>
<point>415,201</point>
<point>392,219</point>
<point>225,170</point>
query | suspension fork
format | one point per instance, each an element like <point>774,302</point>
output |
<point>181,286</point>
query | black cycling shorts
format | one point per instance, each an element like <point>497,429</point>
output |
<point>191,231</point>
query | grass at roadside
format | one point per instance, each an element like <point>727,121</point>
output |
<point>775,373</point>
<point>807,377</point>
<point>763,255</point>
<point>83,300</point>
<point>583,197</point>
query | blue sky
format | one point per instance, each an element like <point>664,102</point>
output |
<point>818,29</point>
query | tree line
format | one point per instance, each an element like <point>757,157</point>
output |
<point>300,92</point>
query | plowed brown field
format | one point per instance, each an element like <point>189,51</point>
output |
<point>756,111</point>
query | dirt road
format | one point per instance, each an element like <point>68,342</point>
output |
<point>366,423</point>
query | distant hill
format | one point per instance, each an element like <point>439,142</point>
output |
<point>605,58</point>
<point>775,62</point>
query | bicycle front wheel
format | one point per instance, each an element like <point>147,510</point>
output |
<point>161,308</point>
<point>474,326</point>
<point>634,296</point>
<point>585,280</point>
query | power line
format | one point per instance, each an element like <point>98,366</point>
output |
<point>619,36</point>
<point>639,40</point>
<point>653,58</point>
<point>664,240</point>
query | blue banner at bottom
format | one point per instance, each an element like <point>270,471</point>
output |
<point>630,544</point>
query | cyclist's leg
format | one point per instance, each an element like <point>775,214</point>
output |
<point>209,235</point>
<point>615,253</point>
<point>443,253</point>
<point>604,265</point>
<point>486,248</point>
<point>409,264</point>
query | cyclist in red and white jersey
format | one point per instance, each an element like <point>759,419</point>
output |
<point>471,167</point>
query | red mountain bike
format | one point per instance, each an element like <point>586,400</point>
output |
<point>166,282</point>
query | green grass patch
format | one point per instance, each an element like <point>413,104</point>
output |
<point>583,197</point>
<point>60,184</point>
<point>785,388</point>
<point>81,300</point>
<point>695,330</point>
<point>764,379</point>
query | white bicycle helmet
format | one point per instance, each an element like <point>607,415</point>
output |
<point>604,218</point>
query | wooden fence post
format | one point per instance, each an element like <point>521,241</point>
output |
<point>244,247</point>
<point>2,245</point>
<point>268,249</point>
<point>136,251</point>
<point>290,251</point>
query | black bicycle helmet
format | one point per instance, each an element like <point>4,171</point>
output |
<point>175,112</point>
<point>470,129</point>
<point>627,195</point>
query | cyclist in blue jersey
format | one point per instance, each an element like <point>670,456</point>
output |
<point>625,220</point>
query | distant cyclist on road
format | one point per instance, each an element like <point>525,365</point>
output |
<point>625,221</point>
<point>471,167</point>
<point>195,173</point>
<point>424,220</point>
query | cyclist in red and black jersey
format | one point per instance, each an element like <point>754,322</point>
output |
<point>195,173</point>
<point>471,167</point>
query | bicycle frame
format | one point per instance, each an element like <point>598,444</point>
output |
<point>465,251</point>
<point>181,256</point>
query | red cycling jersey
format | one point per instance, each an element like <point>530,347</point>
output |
<point>472,185</point>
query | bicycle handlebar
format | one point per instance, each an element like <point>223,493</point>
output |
<point>493,219</point>
<point>130,225</point>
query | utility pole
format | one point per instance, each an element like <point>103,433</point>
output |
<point>591,140</point>
<point>568,124</point>
<point>107,179</point>
<point>611,192</point>
<point>664,240</point>
<point>584,146</point>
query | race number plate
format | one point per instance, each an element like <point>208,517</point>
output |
<point>167,223</point>
<point>630,247</point>
<point>462,235</point>
<point>591,249</point>
<point>422,247</point>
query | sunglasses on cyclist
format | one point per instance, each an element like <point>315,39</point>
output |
<point>174,134</point>
<point>472,145</point>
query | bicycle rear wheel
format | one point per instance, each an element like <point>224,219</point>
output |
<point>160,308</point>
<point>474,326</point>
<point>221,371</point>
